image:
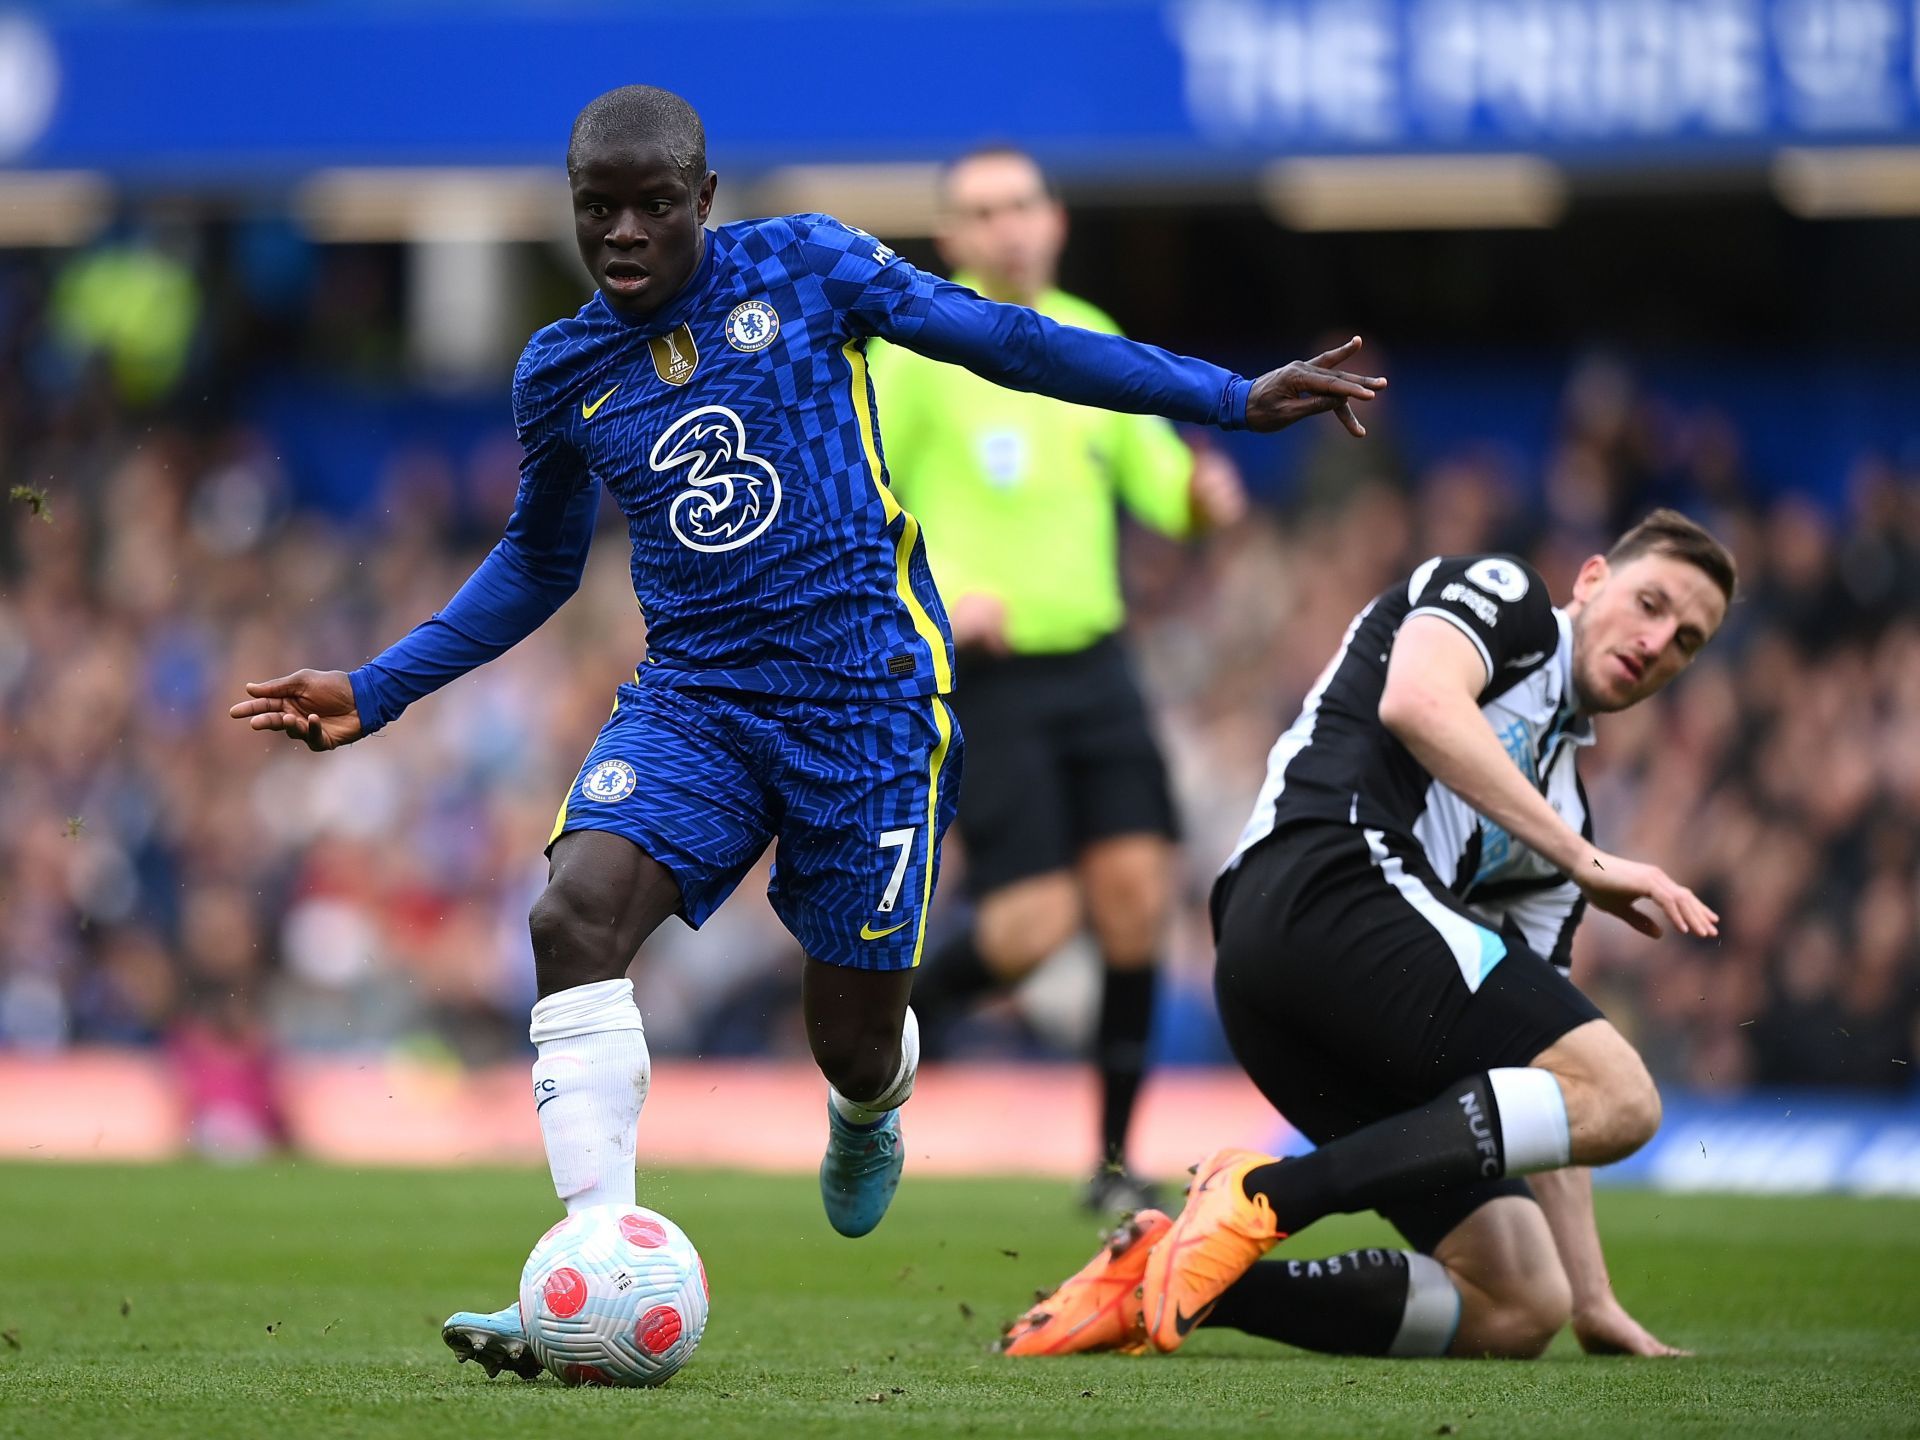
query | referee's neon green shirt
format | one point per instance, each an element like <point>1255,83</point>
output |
<point>1017,494</point>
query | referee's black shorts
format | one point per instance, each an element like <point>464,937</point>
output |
<point>1343,985</point>
<point>1060,753</point>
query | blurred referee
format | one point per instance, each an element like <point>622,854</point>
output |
<point>1064,808</point>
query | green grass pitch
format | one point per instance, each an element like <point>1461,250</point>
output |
<point>297,1301</point>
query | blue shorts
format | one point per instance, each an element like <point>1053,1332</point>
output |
<point>856,794</point>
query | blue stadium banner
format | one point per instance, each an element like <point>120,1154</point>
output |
<point>1148,87</point>
<point>1760,1142</point>
<point>1780,1144</point>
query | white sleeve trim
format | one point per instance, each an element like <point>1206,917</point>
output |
<point>1417,583</point>
<point>1465,629</point>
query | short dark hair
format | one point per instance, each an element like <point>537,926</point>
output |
<point>997,150</point>
<point>1668,532</point>
<point>643,112</point>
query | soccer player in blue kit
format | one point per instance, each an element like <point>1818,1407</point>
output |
<point>796,650</point>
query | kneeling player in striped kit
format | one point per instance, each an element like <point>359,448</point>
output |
<point>1394,934</point>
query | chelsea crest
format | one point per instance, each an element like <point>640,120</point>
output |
<point>752,325</point>
<point>609,781</point>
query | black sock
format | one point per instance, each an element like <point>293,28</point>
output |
<point>1120,1052</point>
<point>950,980</point>
<point>1450,1141</point>
<point>1355,1303</point>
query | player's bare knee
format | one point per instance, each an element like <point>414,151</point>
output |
<point>1613,1106</point>
<point>1611,1117</point>
<point>1550,1301</point>
<point>569,948</point>
<point>1637,1111</point>
<point>1019,927</point>
<point>1128,926</point>
<point>1128,884</point>
<point>862,1069</point>
<point>1520,1331</point>
<point>555,921</point>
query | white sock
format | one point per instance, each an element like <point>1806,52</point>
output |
<point>1533,1120</point>
<point>1432,1315</point>
<point>588,1086</point>
<point>865,1112</point>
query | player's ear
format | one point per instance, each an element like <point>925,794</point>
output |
<point>1593,574</point>
<point>703,202</point>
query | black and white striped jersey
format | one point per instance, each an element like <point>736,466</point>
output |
<point>1338,762</point>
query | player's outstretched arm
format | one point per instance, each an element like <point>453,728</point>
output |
<point>315,706</point>
<point>1600,1322</point>
<point>1024,350</point>
<point>531,573</point>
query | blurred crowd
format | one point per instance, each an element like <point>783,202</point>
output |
<point>169,878</point>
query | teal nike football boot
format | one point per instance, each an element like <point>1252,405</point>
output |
<point>498,1341</point>
<point>860,1171</point>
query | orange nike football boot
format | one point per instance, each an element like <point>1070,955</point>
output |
<point>1215,1241</point>
<point>1099,1308</point>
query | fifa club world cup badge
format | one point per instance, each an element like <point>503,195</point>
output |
<point>675,356</point>
<point>752,325</point>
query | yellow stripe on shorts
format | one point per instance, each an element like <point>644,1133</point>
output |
<point>943,721</point>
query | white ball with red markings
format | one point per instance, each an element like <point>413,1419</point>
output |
<point>614,1295</point>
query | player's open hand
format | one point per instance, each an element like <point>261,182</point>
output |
<point>1607,1329</point>
<point>1614,884</point>
<point>315,706</point>
<point>1312,387</point>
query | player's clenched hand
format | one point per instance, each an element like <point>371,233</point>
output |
<point>979,622</point>
<point>1607,1329</point>
<point>1311,387</point>
<point>311,705</point>
<point>1216,496</point>
<point>1614,884</point>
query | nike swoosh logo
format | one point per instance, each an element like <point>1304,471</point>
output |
<point>587,411</point>
<point>1183,1323</point>
<point>867,932</point>
<point>542,1105</point>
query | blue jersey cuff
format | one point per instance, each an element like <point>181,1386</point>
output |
<point>1233,404</point>
<point>366,699</point>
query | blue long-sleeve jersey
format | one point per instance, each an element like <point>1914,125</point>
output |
<point>736,427</point>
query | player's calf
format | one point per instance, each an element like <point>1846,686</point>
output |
<point>1518,1328</point>
<point>867,1044</point>
<point>1514,1292</point>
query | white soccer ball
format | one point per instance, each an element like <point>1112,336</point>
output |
<point>614,1295</point>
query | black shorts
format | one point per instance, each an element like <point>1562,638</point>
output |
<point>1342,979</point>
<point>1060,754</point>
